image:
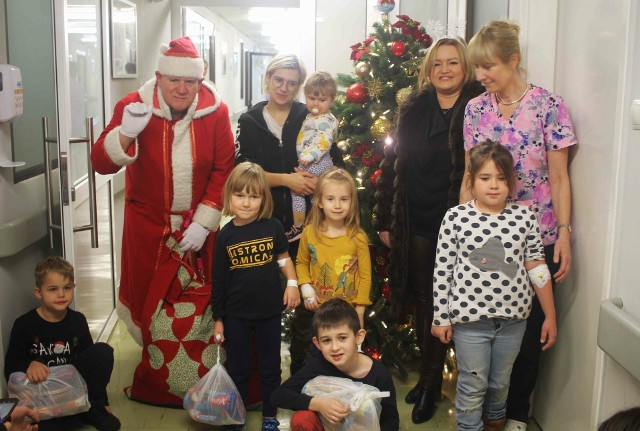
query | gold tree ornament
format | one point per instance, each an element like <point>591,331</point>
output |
<point>412,67</point>
<point>375,87</point>
<point>380,127</point>
<point>362,69</point>
<point>343,145</point>
<point>403,94</point>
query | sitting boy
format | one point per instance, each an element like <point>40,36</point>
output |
<point>53,334</point>
<point>337,333</point>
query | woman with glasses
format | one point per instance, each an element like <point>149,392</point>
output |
<point>420,180</point>
<point>267,135</point>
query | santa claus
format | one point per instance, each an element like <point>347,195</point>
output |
<point>174,137</point>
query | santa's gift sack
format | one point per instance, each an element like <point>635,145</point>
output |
<point>363,402</point>
<point>215,400</point>
<point>64,393</point>
<point>177,330</point>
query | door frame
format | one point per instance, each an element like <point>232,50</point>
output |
<point>63,107</point>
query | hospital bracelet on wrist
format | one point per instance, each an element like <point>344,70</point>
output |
<point>293,283</point>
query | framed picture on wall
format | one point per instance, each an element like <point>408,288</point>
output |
<point>223,57</point>
<point>124,39</point>
<point>242,78</point>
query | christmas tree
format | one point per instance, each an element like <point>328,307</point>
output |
<point>386,66</point>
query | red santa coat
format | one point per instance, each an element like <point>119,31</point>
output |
<point>175,169</point>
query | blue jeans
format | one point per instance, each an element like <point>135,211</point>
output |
<point>485,350</point>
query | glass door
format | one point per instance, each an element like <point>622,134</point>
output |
<point>85,206</point>
<point>257,67</point>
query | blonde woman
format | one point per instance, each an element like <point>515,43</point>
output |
<point>421,175</point>
<point>534,125</point>
<point>267,136</point>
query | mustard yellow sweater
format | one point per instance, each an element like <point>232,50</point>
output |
<point>335,267</point>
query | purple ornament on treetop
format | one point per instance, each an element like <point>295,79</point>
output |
<point>386,6</point>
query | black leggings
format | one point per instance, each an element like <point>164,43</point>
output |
<point>525,370</point>
<point>422,255</point>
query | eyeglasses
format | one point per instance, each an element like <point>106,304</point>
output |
<point>278,82</point>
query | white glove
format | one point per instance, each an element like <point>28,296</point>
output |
<point>194,237</point>
<point>135,118</point>
<point>308,293</point>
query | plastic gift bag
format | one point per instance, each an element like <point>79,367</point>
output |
<point>215,400</point>
<point>64,393</point>
<point>363,401</point>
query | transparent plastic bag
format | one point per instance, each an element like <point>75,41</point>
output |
<point>215,400</point>
<point>64,393</point>
<point>363,401</point>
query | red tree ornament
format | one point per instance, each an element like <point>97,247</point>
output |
<point>374,352</point>
<point>386,291</point>
<point>398,48</point>
<point>357,93</point>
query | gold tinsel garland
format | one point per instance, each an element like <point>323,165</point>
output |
<point>375,87</point>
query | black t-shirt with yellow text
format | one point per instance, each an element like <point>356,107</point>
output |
<point>246,276</point>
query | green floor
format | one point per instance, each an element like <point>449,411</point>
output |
<point>135,416</point>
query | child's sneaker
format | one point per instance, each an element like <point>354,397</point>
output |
<point>294,233</point>
<point>100,418</point>
<point>512,425</point>
<point>270,424</point>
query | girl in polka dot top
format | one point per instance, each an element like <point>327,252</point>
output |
<point>489,262</point>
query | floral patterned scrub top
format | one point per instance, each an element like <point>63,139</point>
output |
<point>539,124</point>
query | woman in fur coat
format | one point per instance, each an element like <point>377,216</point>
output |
<point>421,176</point>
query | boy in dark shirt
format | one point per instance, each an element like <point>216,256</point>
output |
<point>53,334</point>
<point>337,333</point>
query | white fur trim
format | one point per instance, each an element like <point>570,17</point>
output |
<point>187,67</point>
<point>207,216</point>
<point>182,158</point>
<point>209,109</point>
<point>114,150</point>
<point>181,162</point>
<point>125,315</point>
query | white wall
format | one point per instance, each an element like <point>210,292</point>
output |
<point>16,272</point>
<point>154,28</point>
<point>590,64</point>
<point>228,85</point>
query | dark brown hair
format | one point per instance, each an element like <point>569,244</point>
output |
<point>53,264</point>
<point>335,312</point>
<point>489,150</point>
<point>625,420</point>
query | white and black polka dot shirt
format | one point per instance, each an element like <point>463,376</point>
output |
<point>479,271</point>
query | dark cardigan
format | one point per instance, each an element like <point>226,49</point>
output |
<point>391,210</point>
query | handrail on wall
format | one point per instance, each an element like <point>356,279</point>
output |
<point>619,335</point>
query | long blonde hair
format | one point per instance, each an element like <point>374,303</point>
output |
<point>251,177</point>
<point>316,217</point>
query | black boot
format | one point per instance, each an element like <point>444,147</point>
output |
<point>432,351</point>
<point>413,394</point>
<point>425,406</point>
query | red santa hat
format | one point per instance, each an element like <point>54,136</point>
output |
<point>180,58</point>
